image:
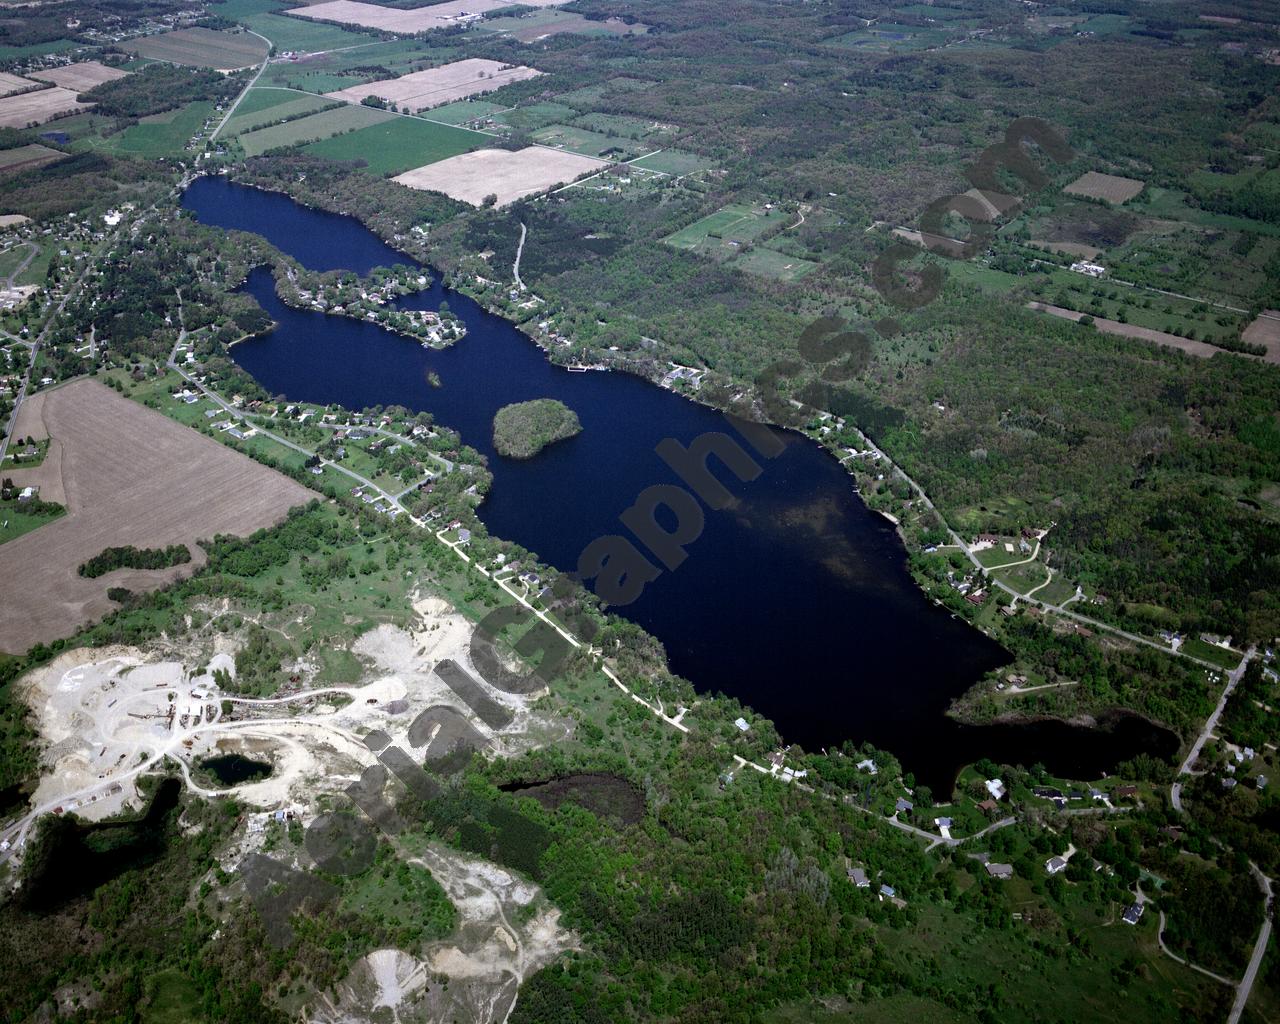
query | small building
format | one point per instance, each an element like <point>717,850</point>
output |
<point>903,806</point>
<point>1054,865</point>
<point>988,806</point>
<point>859,878</point>
<point>1001,871</point>
<point>742,724</point>
<point>1228,784</point>
<point>464,536</point>
<point>887,890</point>
<point>1133,914</point>
<point>26,494</point>
<point>1124,792</point>
<point>996,788</point>
<point>867,765</point>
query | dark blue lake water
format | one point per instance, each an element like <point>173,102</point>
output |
<point>796,600</point>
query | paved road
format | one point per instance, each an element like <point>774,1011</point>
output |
<point>515,269</point>
<point>245,91</point>
<point>1211,723</point>
<point>1259,949</point>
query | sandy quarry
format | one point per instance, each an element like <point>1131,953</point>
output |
<point>107,715</point>
<point>506,931</point>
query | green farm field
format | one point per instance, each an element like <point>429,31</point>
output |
<point>273,106</point>
<point>397,144</point>
<point>315,128</point>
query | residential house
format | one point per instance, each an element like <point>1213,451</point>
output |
<point>1001,871</point>
<point>1054,865</point>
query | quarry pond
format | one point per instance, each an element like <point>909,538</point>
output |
<point>795,599</point>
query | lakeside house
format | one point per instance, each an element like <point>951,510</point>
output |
<point>996,788</point>
<point>903,806</point>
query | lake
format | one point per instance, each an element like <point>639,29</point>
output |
<point>795,600</point>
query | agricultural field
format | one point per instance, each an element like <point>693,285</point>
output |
<point>127,475</point>
<point>314,128</point>
<point>398,144</point>
<point>23,158</point>
<point>10,84</point>
<point>498,172</point>
<point>1109,188</point>
<point>36,49</point>
<point>538,25</point>
<point>433,87</point>
<point>202,48</point>
<point>289,35</point>
<point>589,143</point>
<point>80,77</point>
<point>723,234</point>
<point>406,22</point>
<point>38,107</point>
<point>264,107</point>
<point>1265,330</point>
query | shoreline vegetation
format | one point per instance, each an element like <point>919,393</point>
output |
<point>522,430</point>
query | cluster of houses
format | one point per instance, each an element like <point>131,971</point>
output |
<point>379,503</point>
<point>968,586</point>
<point>859,878</point>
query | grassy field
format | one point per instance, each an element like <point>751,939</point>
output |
<point>399,144</point>
<point>462,111</point>
<point>673,161</point>
<point>272,106</point>
<point>769,263</point>
<point>334,70</point>
<point>724,232</point>
<point>295,34</point>
<point>535,116</point>
<point>14,521</point>
<point>618,124</point>
<point>312,129</point>
<point>588,143</point>
<point>160,135</point>
<point>35,49</point>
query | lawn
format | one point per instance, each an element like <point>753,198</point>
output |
<point>14,522</point>
<point>1197,648</point>
<point>399,144</point>
<point>618,124</point>
<point>312,129</point>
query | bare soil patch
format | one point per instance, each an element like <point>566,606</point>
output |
<point>80,77</point>
<point>421,19</point>
<point>128,476</point>
<point>38,107</point>
<point>1200,349</point>
<point>1109,187</point>
<point>471,177</point>
<point>9,84</point>
<point>1265,330</point>
<point>434,87</point>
